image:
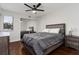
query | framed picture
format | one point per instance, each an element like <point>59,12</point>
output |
<point>31,28</point>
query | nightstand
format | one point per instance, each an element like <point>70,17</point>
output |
<point>72,41</point>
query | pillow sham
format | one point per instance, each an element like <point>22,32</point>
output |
<point>54,30</point>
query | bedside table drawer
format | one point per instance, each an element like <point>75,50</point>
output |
<point>73,45</point>
<point>72,41</point>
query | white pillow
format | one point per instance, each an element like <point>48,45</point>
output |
<point>45,30</point>
<point>54,30</point>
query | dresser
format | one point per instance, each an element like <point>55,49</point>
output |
<point>72,41</point>
<point>4,43</point>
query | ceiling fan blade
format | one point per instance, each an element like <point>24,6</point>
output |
<point>27,5</point>
<point>39,10</point>
<point>38,5</point>
<point>28,10</point>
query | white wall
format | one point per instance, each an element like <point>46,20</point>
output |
<point>68,15</point>
<point>23,25</point>
<point>26,24</point>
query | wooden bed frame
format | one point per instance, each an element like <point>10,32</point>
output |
<point>61,26</point>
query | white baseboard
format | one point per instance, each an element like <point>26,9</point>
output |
<point>14,40</point>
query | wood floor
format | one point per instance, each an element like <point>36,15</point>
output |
<point>16,48</point>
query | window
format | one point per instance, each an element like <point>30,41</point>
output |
<point>8,22</point>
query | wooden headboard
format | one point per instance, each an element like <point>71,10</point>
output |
<point>61,26</point>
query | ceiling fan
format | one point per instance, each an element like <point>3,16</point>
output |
<point>34,9</point>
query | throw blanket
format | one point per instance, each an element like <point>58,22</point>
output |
<point>41,41</point>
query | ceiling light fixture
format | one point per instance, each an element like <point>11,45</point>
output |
<point>34,11</point>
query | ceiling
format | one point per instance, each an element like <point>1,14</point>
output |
<point>20,8</point>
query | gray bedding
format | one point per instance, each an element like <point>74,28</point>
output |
<point>41,41</point>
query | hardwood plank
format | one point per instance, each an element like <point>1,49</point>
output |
<point>16,48</point>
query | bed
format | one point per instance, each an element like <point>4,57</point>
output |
<point>43,43</point>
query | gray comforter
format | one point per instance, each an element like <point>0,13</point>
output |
<point>41,41</point>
